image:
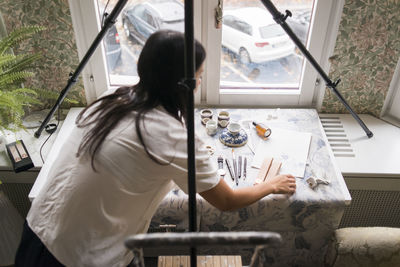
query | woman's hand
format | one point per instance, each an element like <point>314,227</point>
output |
<point>283,184</point>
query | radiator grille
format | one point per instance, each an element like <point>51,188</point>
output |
<point>372,208</point>
<point>18,193</point>
<point>337,136</point>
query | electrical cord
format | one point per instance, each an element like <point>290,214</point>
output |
<point>50,128</point>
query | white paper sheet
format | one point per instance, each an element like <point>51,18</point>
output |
<point>289,147</point>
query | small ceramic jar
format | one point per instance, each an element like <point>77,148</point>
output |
<point>205,120</point>
<point>223,118</point>
<point>206,113</point>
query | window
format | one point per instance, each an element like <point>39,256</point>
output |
<point>257,64</point>
<point>265,68</point>
<point>391,107</point>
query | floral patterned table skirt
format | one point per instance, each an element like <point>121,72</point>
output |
<point>306,220</point>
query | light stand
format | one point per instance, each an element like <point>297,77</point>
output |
<point>190,85</point>
<point>280,19</point>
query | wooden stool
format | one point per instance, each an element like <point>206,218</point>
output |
<point>202,261</point>
<point>260,240</point>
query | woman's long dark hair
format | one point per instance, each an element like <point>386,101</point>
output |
<point>161,69</point>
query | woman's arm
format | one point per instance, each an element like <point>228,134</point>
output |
<point>225,198</point>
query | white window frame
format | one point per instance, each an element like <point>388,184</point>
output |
<point>86,27</point>
<point>391,107</point>
<point>324,26</point>
<point>96,81</point>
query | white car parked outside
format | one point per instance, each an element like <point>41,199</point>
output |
<point>254,36</point>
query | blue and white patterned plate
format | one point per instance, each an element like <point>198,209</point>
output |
<point>229,139</point>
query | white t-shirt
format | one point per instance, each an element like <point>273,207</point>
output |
<point>83,217</point>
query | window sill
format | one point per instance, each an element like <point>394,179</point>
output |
<point>33,146</point>
<point>64,132</point>
<point>360,156</point>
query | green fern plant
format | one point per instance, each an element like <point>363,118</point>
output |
<point>14,70</point>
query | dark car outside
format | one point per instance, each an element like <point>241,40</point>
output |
<point>113,48</point>
<point>143,19</point>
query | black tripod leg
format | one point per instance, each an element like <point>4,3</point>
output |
<point>74,76</point>
<point>281,20</point>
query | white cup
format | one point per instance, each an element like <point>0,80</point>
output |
<point>234,128</point>
<point>211,127</point>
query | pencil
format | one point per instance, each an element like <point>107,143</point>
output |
<point>244,168</point>
<point>240,167</point>
<point>230,169</point>
<point>235,167</point>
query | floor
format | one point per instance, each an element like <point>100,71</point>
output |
<point>150,261</point>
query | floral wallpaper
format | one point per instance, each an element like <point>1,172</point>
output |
<point>56,43</point>
<point>365,56</point>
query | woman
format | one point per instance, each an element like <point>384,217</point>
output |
<point>127,152</point>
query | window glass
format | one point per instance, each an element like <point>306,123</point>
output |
<point>228,20</point>
<point>270,31</point>
<point>137,11</point>
<point>136,22</point>
<point>235,24</point>
<point>264,58</point>
<point>149,19</point>
<point>171,11</point>
<point>243,27</point>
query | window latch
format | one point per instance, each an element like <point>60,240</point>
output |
<point>218,15</point>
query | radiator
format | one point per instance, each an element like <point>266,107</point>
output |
<point>16,186</point>
<point>17,193</point>
<point>372,208</point>
<point>370,167</point>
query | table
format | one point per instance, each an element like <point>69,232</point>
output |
<point>306,220</point>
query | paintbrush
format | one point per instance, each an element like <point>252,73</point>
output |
<point>235,167</point>
<point>240,167</point>
<point>244,168</point>
<point>230,169</point>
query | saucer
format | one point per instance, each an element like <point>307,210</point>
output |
<point>229,139</point>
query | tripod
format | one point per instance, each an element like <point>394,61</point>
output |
<point>281,20</point>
